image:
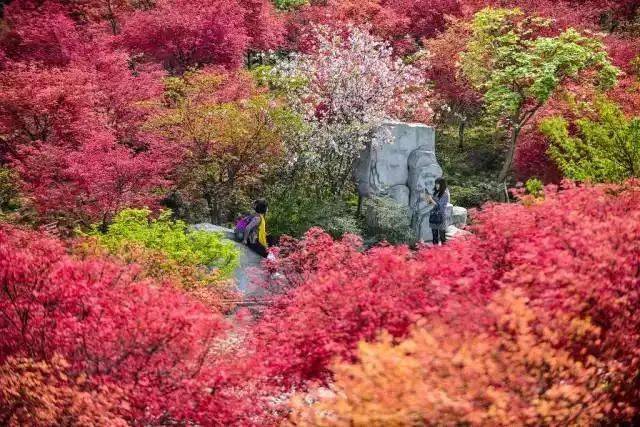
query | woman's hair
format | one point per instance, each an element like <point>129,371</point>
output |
<point>442,187</point>
<point>260,206</point>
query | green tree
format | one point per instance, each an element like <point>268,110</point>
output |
<point>518,70</point>
<point>232,133</point>
<point>604,149</point>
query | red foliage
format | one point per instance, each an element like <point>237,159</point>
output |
<point>404,23</point>
<point>264,28</point>
<point>341,295</point>
<point>121,91</point>
<point>71,118</point>
<point>53,105</point>
<point>575,253</point>
<point>441,67</point>
<point>42,34</point>
<point>578,254</point>
<point>180,34</point>
<point>93,182</point>
<point>154,343</point>
<point>66,140</point>
<point>187,33</point>
<point>531,159</point>
<point>565,13</point>
<point>625,54</point>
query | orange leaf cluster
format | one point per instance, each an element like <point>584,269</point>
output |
<point>510,374</point>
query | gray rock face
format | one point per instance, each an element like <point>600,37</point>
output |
<point>386,165</point>
<point>459,216</point>
<point>403,167</point>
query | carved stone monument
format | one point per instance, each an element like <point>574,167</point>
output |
<point>402,165</point>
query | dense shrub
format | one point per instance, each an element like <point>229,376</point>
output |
<point>473,192</point>
<point>511,374</point>
<point>532,158</point>
<point>42,394</point>
<point>294,211</point>
<point>203,283</point>
<point>339,294</point>
<point>182,34</point>
<point>9,194</point>
<point>152,342</point>
<point>571,258</point>
<point>186,248</point>
<point>604,149</point>
<point>471,171</point>
<point>388,221</point>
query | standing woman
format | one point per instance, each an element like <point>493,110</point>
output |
<point>439,219</point>
<point>255,234</point>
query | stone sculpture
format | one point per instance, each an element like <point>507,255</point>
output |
<point>401,164</point>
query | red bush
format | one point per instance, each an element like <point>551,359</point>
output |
<point>576,253</point>
<point>403,23</point>
<point>340,295</point>
<point>189,33</point>
<point>531,159</point>
<point>152,342</point>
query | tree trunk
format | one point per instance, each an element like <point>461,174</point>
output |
<point>461,127</point>
<point>213,211</point>
<point>506,168</point>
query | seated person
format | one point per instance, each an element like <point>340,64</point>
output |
<point>255,233</point>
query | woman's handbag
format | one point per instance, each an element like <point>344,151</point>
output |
<point>436,216</point>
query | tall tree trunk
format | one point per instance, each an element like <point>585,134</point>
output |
<point>214,215</point>
<point>463,123</point>
<point>506,168</point>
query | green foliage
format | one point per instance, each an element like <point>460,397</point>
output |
<point>518,71</point>
<point>605,148</point>
<point>188,248</point>
<point>293,212</point>
<point>8,191</point>
<point>473,192</point>
<point>388,221</point>
<point>471,171</point>
<point>534,187</point>
<point>277,81</point>
<point>289,4</point>
<point>481,155</point>
<point>512,67</point>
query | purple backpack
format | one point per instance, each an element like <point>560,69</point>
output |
<point>241,226</point>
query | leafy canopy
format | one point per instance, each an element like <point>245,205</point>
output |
<point>232,132</point>
<point>606,147</point>
<point>518,71</point>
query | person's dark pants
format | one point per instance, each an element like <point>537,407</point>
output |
<point>258,248</point>
<point>439,236</point>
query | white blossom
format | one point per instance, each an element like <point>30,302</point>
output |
<point>346,88</point>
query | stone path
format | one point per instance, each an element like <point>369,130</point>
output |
<point>250,262</point>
